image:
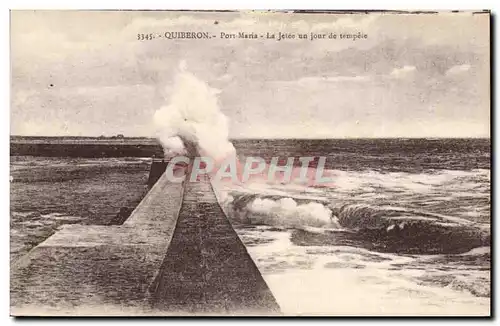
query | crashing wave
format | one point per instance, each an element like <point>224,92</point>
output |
<point>384,229</point>
<point>279,211</point>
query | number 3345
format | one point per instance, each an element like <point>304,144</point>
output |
<point>141,36</point>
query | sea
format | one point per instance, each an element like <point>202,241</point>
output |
<point>404,229</point>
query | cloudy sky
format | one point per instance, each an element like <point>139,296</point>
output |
<point>85,73</point>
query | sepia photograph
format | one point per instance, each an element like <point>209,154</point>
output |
<point>250,163</point>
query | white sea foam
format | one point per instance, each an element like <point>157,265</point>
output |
<point>343,280</point>
<point>477,251</point>
<point>286,212</point>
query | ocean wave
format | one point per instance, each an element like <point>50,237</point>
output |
<point>282,254</point>
<point>430,181</point>
<point>278,211</point>
<point>385,228</point>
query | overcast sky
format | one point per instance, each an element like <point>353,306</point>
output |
<point>85,73</point>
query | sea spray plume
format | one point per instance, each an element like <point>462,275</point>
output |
<point>173,146</point>
<point>191,123</point>
<point>192,114</point>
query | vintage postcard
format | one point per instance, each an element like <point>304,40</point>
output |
<point>255,163</point>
